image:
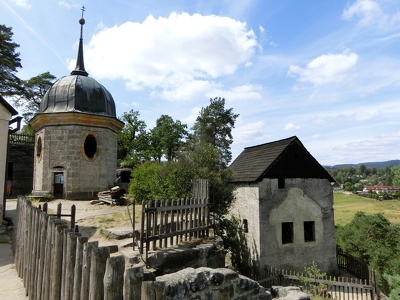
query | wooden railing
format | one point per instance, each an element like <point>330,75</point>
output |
<point>23,139</point>
<point>353,265</point>
<point>340,288</point>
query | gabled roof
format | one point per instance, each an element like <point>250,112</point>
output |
<point>286,158</point>
<point>11,109</point>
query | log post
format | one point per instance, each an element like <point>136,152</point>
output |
<point>35,258</point>
<point>78,267</point>
<point>97,270</point>
<point>133,283</point>
<point>70,264</point>
<point>114,278</point>
<point>48,259</point>
<point>41,262</point>
<point>86,266</point>
<point>64,261</point>
<point>55,284</point>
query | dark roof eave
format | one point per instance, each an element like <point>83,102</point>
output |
<point>7,105</point>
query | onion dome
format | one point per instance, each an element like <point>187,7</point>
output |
<point>78,92</point>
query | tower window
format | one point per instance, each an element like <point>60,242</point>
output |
<point>90,146</point>
<point>39,147</point>
<point>245,226</point>
<point>309,231</point>
<point>287,232</point>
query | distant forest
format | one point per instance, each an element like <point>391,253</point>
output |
<point>377,165</point>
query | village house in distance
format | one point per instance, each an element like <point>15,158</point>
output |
<point>76,133</point>
<point>284,200</point>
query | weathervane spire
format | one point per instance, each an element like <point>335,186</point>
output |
<point>80,65</point>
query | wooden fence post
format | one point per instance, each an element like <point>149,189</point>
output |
<point>70,264</point>
<point>133,283</point>
<point>114,278</point>
<point>56,271</point>
<point>48,259</point>
<point>26,255</point>
<point>78,267</point>
<point>64,262</point>
<point>35,245</point>
<point>97,270</point>
<point>41,262</point>
<point>86,266</point>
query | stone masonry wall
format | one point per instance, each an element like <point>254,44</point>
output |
<point>63,151</point>
<point>21,157</point>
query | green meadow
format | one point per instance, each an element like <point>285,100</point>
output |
<point>346,206</point>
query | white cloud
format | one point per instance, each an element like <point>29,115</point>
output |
<point>178,55</point>
<point>248,133</point>
<point>291,127</point>
<point>22,3</point>
<point>326,68</point>
<point>366,115</point>
<point>69,3</point>
<point>367,11</point>
<point>372,13</point>
<point>242,93</point>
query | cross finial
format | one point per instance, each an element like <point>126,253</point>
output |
<point>83,9</point>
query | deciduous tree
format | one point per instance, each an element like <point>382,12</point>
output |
<point>133,140</point>
<point>167,137</point>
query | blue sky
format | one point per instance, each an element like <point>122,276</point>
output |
<point>325,71</point>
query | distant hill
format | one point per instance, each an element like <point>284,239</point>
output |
<point>377,165</point>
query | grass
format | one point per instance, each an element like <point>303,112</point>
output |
<point>347,205</point>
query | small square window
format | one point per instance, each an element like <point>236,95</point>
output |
<point>309,231</point>
<point>287,232</point>
<point>281,183</point>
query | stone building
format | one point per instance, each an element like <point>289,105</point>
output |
<point>6,113</point>
<point>75,137</point>
<point>284,200</point>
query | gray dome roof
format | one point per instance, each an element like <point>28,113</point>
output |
<point>78,93</point>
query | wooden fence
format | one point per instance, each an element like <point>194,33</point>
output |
<point>339,288</point>
<point>169,223</point>
<point>16,138</point>
<point>354,266</point>
<point>55,262</point>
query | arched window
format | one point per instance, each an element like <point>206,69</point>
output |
<point>39,148</point>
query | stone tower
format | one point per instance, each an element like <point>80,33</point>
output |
<point>75,136</point>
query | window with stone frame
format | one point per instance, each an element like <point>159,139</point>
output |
<point>287,232</point>
<point>309,231</point>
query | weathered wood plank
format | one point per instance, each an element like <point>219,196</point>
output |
<point>114,278</point>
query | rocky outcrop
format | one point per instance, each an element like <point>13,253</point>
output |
<point>288,293</point>
<point>208,283</point>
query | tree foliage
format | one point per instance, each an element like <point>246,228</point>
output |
<point>167,137</point>
<point>10,62</point>
<point>161,181</point>
<point>25,94</point>
<point>214,126</point>
<point>375,240</point>
<point>32,93</point>
<point>133,140</point>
